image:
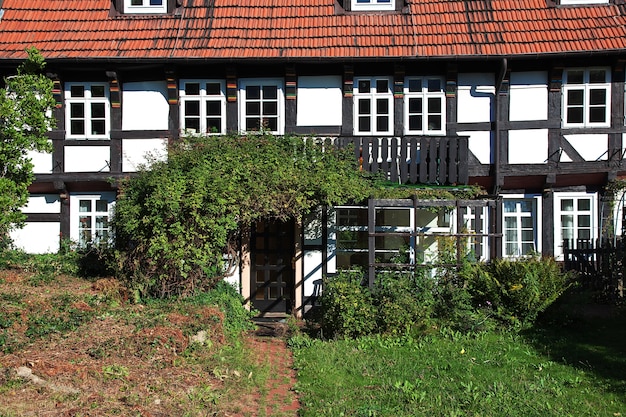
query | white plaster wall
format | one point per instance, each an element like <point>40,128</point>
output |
<point>528,96</point>
<point>312,270</point>
<point>42,162</point>
<point>87,158</point>
<point>529,146</point>
<point>43,203</point>
<point>37,237</point>
<point>319,101</point>
<point>136,152</point>
<point>474,97</point>
<point>145,106</point>
<point>592,147</point>
<point>480,144</point>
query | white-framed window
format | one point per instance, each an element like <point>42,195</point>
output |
<point>373,106</point>
<point>145,6</point>
<point>476,220</point>
<point>202,106</point>
<point>574,219</point>
<point>521,223</point>
<point>87,111</point>
<point>261,105</point>
<point>89,218</point>
<point>424,106</point>
<point>373,5</point>
<point>586,97</point>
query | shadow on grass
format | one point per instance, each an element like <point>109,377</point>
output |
<point>585,335</point>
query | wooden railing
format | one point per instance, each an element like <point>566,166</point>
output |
<point>599,264</point>
<point>413,160</point>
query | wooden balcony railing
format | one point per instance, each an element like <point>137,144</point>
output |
<point>413,160</point>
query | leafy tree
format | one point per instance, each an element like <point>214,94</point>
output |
<point>25,119</point>
<point>175,221</point>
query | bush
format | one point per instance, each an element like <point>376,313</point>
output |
<point>402,300</point>
<point>347,306</point>
<point>516,290</point>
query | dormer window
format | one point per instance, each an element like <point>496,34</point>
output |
<point>368,5</point>
<point>145,6</point>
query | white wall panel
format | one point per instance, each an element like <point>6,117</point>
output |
<point>528,96</point>
<point>43,203</point>
<point>37,237</point>
<point>480,144</point>
<point>319,101</point>
<point>145,106</point>
<point>42,162</point>
<point>591,147</point>
<point>136,152</point>
<point>312,270</point>
<point>474,97</point>
<point>87,158</point>
<point>528,146</point>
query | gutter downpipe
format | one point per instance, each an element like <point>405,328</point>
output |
<point>496,169</point>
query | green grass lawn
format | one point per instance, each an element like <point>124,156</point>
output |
<point>572,368</point>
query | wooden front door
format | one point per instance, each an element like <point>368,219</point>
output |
<point>272,286</point>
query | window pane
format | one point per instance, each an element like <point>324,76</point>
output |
<point>352,217</point>
<point>271,123</point>
<point>97,91</point>
<point>84,206</point>
<point>434,105</point>
<point>510,222</point>
<point>97,127</point>
<point>584,221</point>
<point>77,127</point>
<point>415,85</point>
<point>434,85</point>
<point>597,76</point>
<point>382,86</point>
<point>364,86</point>
<point>575,97</point>
<point>213,89</point>
<point>348,239</point>
<point>382,106</point>
<point>575,115</point>
<point>192,89</point>
<point>393,217</point>
<point>527,222</point>
<point>270,92</point>
<point>415,122</point>
<point>97,110</point>
<point>567,221</point>
<point>434,122</point>
<point>364,106</point>
<point>192,124</point>
<point>270,108</point>
<point>253,123</point>
<point>102,206</point>
<point>253,92</point>
<point>597,96</point>
<point>567,204</point>
<point>575,77</point>
<point>509,206</point>
<point>77,91</point>
<point>526,206</point>
<point>382,123</point>
<point>213,108</point>
<point>136,2</point>
<point>364,123</point>
<point>156,2</point>
<point>415,105</point>
<point>527,235</point>
<point>214,125</point>
<point>102,222</point>
<point>597,114</point>
<point>584,204</point>
<point>192,108</point>
<point>584,234</point>
<point>77,110</point>
<point>253,108</point>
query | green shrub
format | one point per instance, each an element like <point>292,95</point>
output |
<point>516,290</point>
<point>347,306</point>
<point>403,300</point>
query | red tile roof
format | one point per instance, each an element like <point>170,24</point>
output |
<point>309,29</point>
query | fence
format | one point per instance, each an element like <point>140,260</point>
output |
<point>426,160</point>
<point>600,264</point>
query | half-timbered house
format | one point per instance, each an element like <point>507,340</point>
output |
<point>525,98</point>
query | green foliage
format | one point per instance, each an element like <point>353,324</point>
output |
<point>44,266</point>
<point>403,301</point>
<point>347,306</point>
<point>25,118</point>
<point>516,290</point>
<point>237,319</point>
<point>175,221</point>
